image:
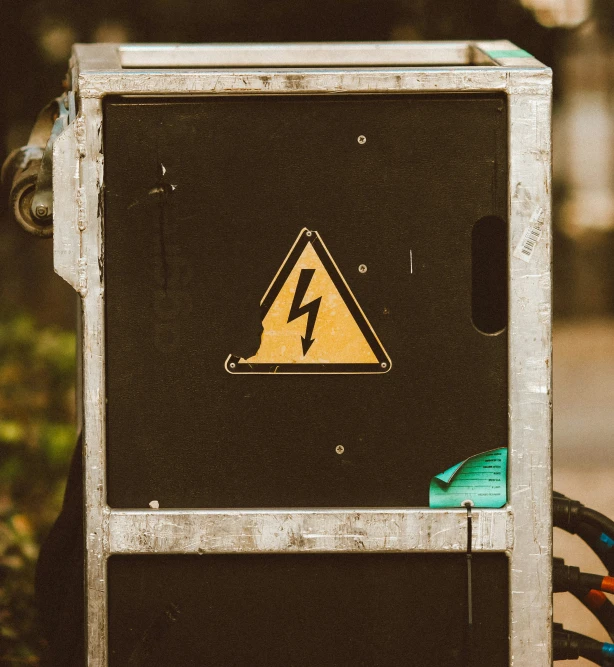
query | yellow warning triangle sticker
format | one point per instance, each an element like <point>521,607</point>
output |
<point>311,321</point>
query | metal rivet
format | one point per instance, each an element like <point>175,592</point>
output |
<point>384,364</point>
<point>308,234</point>
<point>362,139</point>
<point>41,211</point>
<point>339,449</point>
<point>362,268</point>
<point>232,365</point>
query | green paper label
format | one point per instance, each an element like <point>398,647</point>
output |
<point>481,478</point>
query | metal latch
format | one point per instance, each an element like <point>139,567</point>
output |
<point>28,171</point>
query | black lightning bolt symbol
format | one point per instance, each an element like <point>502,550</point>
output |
<point>311,308</point>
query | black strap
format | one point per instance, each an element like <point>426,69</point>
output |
<point>469,635</point>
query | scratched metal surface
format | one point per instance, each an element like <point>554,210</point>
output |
<point>97,72</point>
<point>256,531</point>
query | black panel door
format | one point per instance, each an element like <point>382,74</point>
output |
<point>374,610</point>
<point>204,199</point>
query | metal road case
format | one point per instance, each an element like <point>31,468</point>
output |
<point>313,277</point>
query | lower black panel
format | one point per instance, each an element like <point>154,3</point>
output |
<point>305,610</point>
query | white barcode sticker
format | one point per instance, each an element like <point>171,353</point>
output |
<point>530,236</point>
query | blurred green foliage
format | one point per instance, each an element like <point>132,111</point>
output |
<point>37,437</point>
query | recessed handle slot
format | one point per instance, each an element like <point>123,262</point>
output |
<point>489,298</point>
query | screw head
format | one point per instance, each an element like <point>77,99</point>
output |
<point>41,211</point>
<point>362,268</point>
<point>362,139</point>
<point>339,449</point>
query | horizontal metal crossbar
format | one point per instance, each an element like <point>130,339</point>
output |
<point>313,82</point>
<point>257,531</point>
<point>138,69</point>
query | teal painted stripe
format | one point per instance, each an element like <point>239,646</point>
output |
<point>608,541</point>
<point>511,53</point>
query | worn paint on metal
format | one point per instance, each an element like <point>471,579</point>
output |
<point>313,531</point>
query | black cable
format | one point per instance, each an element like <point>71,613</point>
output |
<point>594,528</point>
<point>600,521</point>
<point>568,514</point>
<point>569,645</point>
<point>599,542</point>
<point>599,605</point>
<point>566,577</point>
<point>588,589</point>
<point>470,636</point>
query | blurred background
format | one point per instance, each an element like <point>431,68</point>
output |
<point>37,310</point>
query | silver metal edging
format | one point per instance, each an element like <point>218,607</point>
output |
<point>530,376</point>
<point>305,82</point>
<point>305,531</point>
<point>303,54</point>
<point>97,72</point>
<point>336,54</point>
<point>88,132</point>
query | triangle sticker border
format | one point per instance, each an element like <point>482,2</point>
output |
<point>237,366</point>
